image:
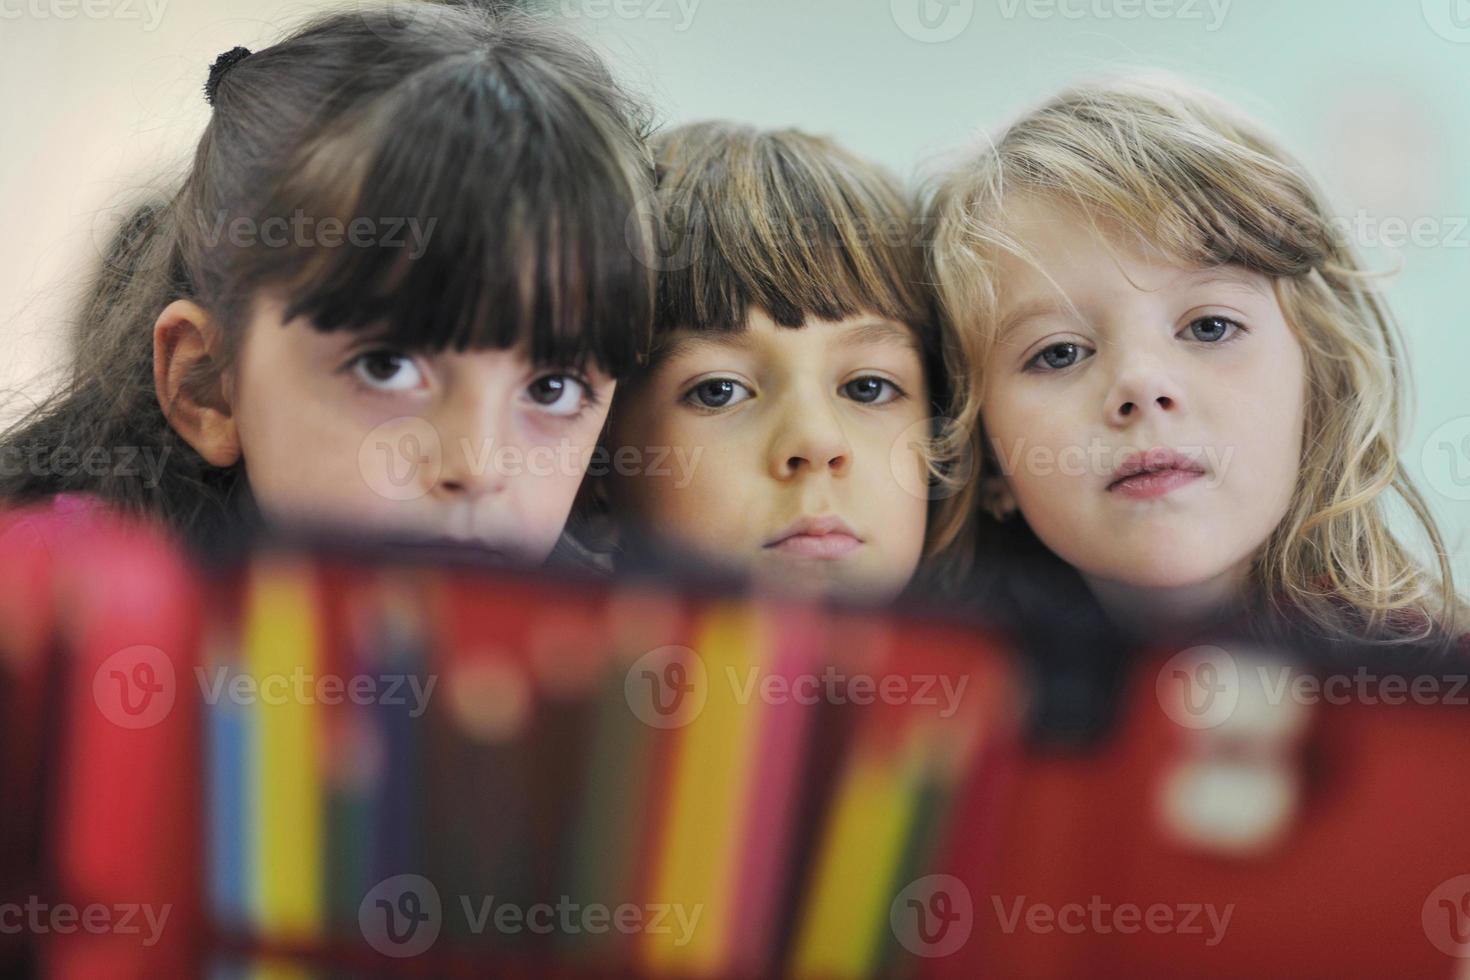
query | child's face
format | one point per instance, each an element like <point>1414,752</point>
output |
<point>789,451</point>
<point>1155,358</point>
<point>479,446</point>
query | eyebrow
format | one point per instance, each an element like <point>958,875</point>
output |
<point>872,333</point>
<point>868,333</point>
<point>1226,276</point>
<point>1029,310</point>
<point>678,346</point>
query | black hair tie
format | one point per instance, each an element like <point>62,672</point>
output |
<point>222,64</point>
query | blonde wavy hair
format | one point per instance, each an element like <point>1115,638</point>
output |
<point>1191,178</point>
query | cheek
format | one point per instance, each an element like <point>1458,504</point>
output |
<point>681,475</point>
<point>291,442</point>
<point>302,440</point>
<point>545,501</point>
<point>1037,442</point>
<point>689,475</point>
<point>1261,419</point>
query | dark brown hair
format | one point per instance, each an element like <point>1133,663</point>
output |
<point>508,141</point>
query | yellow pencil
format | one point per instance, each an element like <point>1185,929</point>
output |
<point>846,909</point>
<point>282,644</point>
<point>696,873</point>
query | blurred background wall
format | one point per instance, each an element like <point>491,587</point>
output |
<point>101,99</point>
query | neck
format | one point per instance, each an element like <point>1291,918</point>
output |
<point>1147,612</point>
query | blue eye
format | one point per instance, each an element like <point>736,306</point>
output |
<point>870,390</point>
<point>1212,329</point>
<point>717,393</point>
<point>1059,356</point>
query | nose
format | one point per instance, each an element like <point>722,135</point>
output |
<point>810,440</point>
<point>471,430</point>
<point>1143,388</point>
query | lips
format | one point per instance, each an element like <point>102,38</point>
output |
<point>1154,473</point>
<point>825,538</point>
<point>444,547</point>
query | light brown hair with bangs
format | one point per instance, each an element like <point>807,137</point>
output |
<point>796,226</point>
<point>1186,176</point>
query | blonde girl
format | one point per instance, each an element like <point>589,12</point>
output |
<point>1189,388</point>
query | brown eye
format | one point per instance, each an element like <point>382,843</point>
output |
<point>558,394</point>
<point>387,370</point>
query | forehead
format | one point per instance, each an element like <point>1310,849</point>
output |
<point>1068,257</point>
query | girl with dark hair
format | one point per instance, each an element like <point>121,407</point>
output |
<point>395,289</point>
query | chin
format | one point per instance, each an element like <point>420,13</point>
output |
<point>830,579</point>
<point>1177,567</point>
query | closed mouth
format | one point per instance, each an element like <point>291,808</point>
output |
<point>816,537</point>
<point>1155,467</point>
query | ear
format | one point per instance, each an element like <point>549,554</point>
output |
<point>996,498</point>
<point>189,378</point>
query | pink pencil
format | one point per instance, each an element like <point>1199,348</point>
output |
<point>771,796</point>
